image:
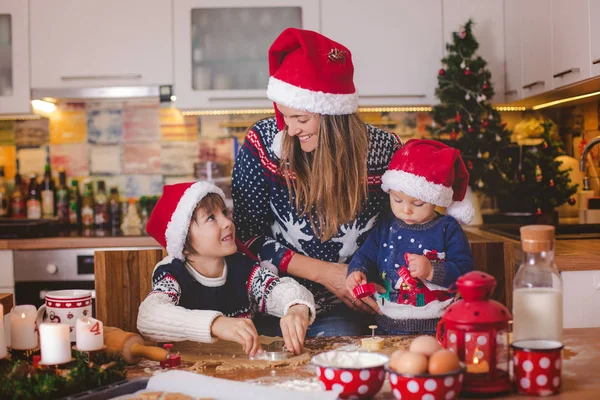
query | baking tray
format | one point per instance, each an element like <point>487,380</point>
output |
<point>111,391</point>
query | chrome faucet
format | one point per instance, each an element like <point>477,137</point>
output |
<point>584,153</point>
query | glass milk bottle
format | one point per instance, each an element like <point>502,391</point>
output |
<point>537,296</point>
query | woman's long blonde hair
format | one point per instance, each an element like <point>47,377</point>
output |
<point>331,182</point>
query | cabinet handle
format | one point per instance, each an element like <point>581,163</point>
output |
<point>596,61</point>
<point>532,84</point>
<point>565,72</point>
<point>99,77</point>
<point>392,96</point>
<point>509,92</point>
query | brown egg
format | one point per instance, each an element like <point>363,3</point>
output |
<point>410,363</point>
<point>426,345</point>
<point>443,362</point>
<point>396,356</point>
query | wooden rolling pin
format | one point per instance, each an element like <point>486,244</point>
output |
<point>131,346</point>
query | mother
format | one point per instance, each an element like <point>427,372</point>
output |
<point>306,184</point>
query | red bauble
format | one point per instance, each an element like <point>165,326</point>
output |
<point>545,145</point>
<point>551,183</point>
<point>485,85</point>
<point>470,129</point>
<point>441,71</point>
<point>470,164</point>
<point>503,125</point>
<point>453,135</point>
<point>523,178</point>
<point>484,123</point>
<point>571,201</point>
<point>538,212</point>
<point>467,71</point>
<point>457,118</point>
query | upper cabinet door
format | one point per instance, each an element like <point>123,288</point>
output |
<point>595,36</point>
<point>100,43</point>
<point>14,58</point>
<point>488,19</point>
<point>396,47</point>
<point>512,45</point>
<point>571,41</point>
<point>536,31</point>
<point>221,48</point>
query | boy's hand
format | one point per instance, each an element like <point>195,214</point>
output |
<point>293,327</point>
<point>240,330</point>
<point>358,278</point>
<point>419,266</point>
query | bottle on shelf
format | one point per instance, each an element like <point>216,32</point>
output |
<point>101,219</point>
<point>537,295</point>
<point>34,201</point>
<point>132,223</point>
<point>62,200</point>
<point>4,198</point>
<point>48,192</point>
<point>74,206</point>
<point>87,207</point>
<point>17,199</point>
<point>114,210</point>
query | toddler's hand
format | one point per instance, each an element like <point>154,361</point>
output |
<point>240,330</point>
<point>419,266</point>
<point>354,279</point>
<point>293,327</point>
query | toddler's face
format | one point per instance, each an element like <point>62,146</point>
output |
<point>410,210</point>
<point>212,233</point>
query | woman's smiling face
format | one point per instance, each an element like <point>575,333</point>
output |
<point>302,124</point>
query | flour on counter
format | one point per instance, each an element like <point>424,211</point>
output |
<point>349,359</point>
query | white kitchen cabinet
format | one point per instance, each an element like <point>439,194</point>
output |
<point>488,19</point>
<point>581,299</point>
<point>100,43</point>
<point>14,58</point>
<point>221,48</point>
<point>513,90</point>
<point>536,42</point>
<point>594,18</point>
<point>396,49</point>
<point>570,41</point>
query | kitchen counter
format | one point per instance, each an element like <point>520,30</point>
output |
<point>569,255</point>
<point>580,374</point>
<point>53,243</point>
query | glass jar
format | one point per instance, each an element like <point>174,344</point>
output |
<point>537,290</point>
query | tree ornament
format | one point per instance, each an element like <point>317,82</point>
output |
<point>481,98</point>
<point>441,71</point>
<point>453,135</point>
<point>498,138</point>
<point>490,116</point>
<point>433,124</point>
<point>503,125</point>
<point>469,129</point>
<point>522,177</point>
<point>538,174</point>
<point>480,183</point>
<point>571,201</point>
<point>491,166</point>
<point>551,183</point>
<point>467,96</point>
<point>463,64</point>
<point>467,71</point>
<point>485,85</point>
<point>545,145</point>
<point>484,123</point>
<point>538,211</point>
<point>462,34</point>
<point>457,118</point>
<point>470,164</point>
<point>479,155</point>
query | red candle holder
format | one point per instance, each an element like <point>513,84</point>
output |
<point>476,329</point>
<point>172,360</point>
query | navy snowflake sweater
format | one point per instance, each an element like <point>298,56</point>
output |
<point>412,305</point>
<point>267,221</point>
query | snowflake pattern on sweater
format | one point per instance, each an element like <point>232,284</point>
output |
<point>267,220</point>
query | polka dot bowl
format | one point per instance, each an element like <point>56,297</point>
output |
<point>426,386</point>
<point>537,367</point>
<point>354,375</point>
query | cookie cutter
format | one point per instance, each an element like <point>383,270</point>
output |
<point>274,351</point>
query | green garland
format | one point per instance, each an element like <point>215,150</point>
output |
<point>19,379</point>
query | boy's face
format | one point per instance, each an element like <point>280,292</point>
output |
<point>410,210</point>
<point>212,233</point>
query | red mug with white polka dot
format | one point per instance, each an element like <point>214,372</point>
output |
<point>537,366</point>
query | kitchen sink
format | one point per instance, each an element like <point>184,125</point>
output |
<point>563,232</point>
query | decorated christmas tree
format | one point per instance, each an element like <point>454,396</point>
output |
<point>539,184</point>
<point>465,118</point>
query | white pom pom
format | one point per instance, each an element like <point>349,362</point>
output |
<point>463,211</point>
<point>277,145</point>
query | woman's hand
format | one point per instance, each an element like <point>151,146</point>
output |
<point>334,279</point>
<point>293,327</point>
<point>419,266</point>
<point>240,330</point>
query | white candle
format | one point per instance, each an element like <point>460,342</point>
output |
<point>23,333</point>
<point>2,338</point>
<point>89,333</point>
<point>55,344</point>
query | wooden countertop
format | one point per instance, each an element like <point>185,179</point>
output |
<point>569,255</point>
<point>7,301</point>
<point>77,243</point>
<point>580,374</point>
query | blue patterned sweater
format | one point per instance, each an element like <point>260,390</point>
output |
<point>267,221</point>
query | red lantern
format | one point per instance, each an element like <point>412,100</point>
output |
<point>476,329</point>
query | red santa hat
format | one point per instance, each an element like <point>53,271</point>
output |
<point>170,219</point>
<point>432,172</point>
<point>312,73</point>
